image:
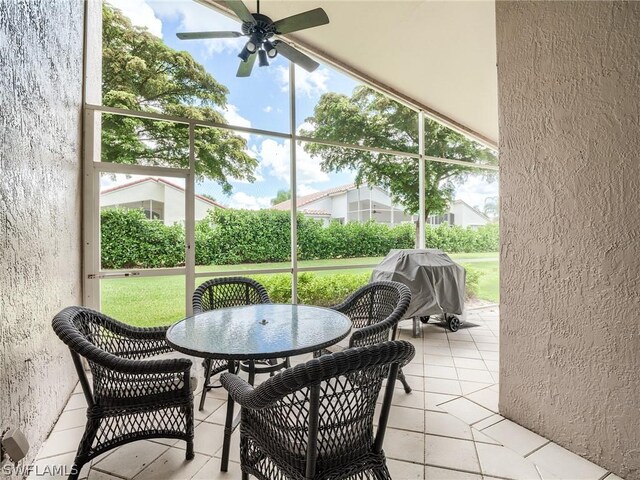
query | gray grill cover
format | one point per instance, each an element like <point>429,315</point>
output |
<point>436,282</point>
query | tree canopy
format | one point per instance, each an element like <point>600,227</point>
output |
<point>369,118</point>
<point>281,196</point>
<point>141,73</point>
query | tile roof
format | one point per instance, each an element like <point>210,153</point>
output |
<point>307,199</point>
<point>158,180</point>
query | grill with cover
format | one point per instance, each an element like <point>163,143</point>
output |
<point>437,283</point>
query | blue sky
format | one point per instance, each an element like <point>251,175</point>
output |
<point>260,101</point>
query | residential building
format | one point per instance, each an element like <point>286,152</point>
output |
<point>461,214</point>
<point>350,203</point>
<point>157,197</point>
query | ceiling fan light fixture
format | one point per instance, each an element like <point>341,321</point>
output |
<point>252,45</point>
<point>270,48</point>
<point>244,54</point>
<point>259,29</point>
<point>262,58</point>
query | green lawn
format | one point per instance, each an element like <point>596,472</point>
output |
<point>161,300</point>
<point>489,282</point>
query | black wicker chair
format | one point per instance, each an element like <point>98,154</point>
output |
<point>224,292</point>
<point>375,311</point>
<point>315,420</point>
<point>131,398</point>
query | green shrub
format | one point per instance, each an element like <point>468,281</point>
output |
<point>313,289</point>
<point>228,237</point>
<point>129,240</point>
<point>472,282</point>
<point>328,290</point>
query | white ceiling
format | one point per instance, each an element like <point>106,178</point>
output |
<point>441,54</point>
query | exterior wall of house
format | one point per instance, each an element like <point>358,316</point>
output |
<point>174,206</point>
<point>325,203</point>
<point>136,193</point>
<point>338,206</point>
<point>41,50</point>
<point>173,200</point>
<point>569,103</point>
<point>466,216</point>
<point>202,209</point>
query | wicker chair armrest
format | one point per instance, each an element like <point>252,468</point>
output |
<point>125,365</point>
<point>239,390</point>
<point>359,337</point>
<point>312,372</point>
<point>139,333</point>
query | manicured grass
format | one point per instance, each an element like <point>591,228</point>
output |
<point>145,302</point>
<point>489,282</point>
<point>152,301</point>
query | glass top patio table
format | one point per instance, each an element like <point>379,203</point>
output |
<point>258,332</point>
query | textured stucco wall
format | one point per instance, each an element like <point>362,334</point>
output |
<point>569,103</point>
<point>41,44</point>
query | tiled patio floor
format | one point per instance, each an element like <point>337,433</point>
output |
<point>447,428</point>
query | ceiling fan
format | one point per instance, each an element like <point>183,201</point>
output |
<point>261,29</point>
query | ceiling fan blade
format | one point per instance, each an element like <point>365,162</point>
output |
<point>244,70</point>
<point>203,35</point>
<point>241,10</point>
<point>312,18</point>
<point>296,56</point>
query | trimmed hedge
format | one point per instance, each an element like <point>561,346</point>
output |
<point>129,240</point>
<point>227,237</point>
<point>328,290</point>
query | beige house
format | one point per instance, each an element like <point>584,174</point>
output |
<point>157,197</point>
<point>350,203</point>
<point>461,214</point>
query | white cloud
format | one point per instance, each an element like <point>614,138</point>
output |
<point>193,17</point>
<point>248,202</point>
<point>276,156</point>
<point>140,13</point>
<point>232,116</point>
<point>305,190</point>
<point>267,109</point>
<point>475,190</point>
<point>311,84</point>
<point>305,126</point>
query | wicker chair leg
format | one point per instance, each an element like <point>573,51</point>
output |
<point>402,379</point>
<point>85,446</point>
<point>190,455</point>
<point>382,473</point>
<point>207,378</point>
<point>245,476</point>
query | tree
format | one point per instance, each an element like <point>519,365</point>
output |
<point>370,118</point>
<point>281,196</point>
<point>491,207</point>
<point>141,73</point>
<point>210,197</point>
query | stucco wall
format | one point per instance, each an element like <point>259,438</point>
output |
<point>40,126</point>
<point>569,103</point>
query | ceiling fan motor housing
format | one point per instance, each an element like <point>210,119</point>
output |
<point>261,29</point>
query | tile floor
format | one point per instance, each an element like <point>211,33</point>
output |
<point>447,428</point>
